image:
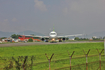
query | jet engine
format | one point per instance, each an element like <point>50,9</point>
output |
<point>43,39</point>
<point>63,39</point>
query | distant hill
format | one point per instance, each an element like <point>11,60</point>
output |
<point>29,33</point>
<point>97,34</point>
<point>5,34</point>
<point>8,34</point>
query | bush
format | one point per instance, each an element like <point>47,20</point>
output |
<point>30,40</point>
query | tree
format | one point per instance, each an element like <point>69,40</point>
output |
<point>3,37</point>
<point>104,37</point>
<point>30,40</point>
<point>15,36</point>
<point>67,38</point>
<point>76,38</point>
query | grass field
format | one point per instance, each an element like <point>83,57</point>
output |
<point>59,50</point>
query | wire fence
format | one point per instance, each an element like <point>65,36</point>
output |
<point>52,62</point>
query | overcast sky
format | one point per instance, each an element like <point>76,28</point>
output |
<point>67,16</point>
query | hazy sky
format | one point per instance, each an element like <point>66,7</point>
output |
<point>67,16</point>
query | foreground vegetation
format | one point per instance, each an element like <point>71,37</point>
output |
<point>59,50</point>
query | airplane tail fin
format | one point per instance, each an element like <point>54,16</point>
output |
<point>53,28</point>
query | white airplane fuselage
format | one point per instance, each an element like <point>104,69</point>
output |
<point>53,36</point>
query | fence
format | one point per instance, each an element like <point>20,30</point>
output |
<point>74,62</point>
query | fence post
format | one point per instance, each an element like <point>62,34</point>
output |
<point>32,58</point>
<point>17,63</point>
<point>49,60</point>
<point>24,63</point>
<point>86,58</point>
<point>70,58</point>
<point>100,57</point>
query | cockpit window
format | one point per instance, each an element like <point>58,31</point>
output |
<point>52,33</point>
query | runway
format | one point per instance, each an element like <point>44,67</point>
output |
<point>42,43</point>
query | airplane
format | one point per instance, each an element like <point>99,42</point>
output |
<point>53,37</point>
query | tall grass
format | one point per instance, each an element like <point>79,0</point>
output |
<point>59,50</point>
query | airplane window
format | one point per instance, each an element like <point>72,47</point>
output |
<point>52,33</point>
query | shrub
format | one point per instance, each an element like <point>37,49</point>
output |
<point>30,40</point>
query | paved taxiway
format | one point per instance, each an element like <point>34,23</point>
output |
<point>42,43</point>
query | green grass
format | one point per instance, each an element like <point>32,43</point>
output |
<point>59,50</point>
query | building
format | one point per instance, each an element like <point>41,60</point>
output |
<point>8,39</point>
<point>26,37</point>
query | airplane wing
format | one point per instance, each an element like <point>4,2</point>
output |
<point>42,36</point>
<point>71,35</point>
<point>59,36</point>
